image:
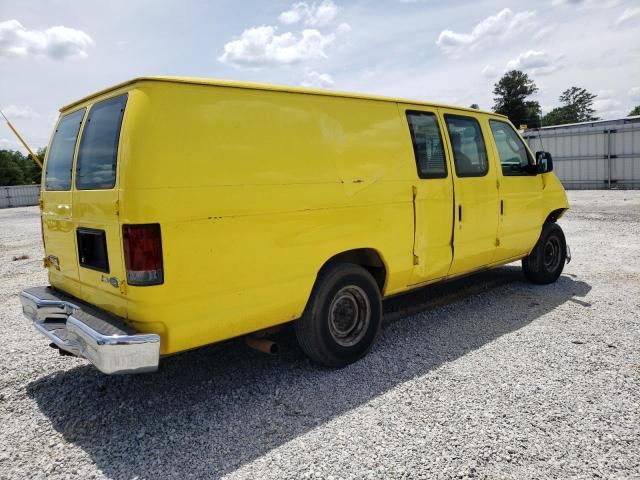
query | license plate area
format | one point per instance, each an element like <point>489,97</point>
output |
<point>92,249</point>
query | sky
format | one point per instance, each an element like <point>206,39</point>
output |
<point>53,52</point>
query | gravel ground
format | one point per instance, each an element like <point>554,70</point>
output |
<point>489,377</point>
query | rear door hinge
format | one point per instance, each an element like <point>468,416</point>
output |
<point>497,242</point>
<point>416,260</point>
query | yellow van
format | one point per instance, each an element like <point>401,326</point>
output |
<point>179,212</point>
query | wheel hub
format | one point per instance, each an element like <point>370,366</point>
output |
<point>349,315</point>
<point>552,254</point>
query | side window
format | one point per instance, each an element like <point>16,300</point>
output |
<point>96,166</point>
<point>514,157</point>
<point>58,173</point>
<point>427,144</point>
<point>469,153</point>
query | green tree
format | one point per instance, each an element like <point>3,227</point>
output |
<point>577,107</point>
<point>558,116</point>
<point>580,103</point>
<point>33,173</point>
<point>11,168</point>
<point>511,93</point>
<point>635,111</point>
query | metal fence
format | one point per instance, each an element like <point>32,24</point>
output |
<point>19,196</point>
<point>593,155</point>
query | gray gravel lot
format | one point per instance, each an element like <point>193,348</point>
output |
<point>488,377</point>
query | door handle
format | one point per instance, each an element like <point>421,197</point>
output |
<point>460,213</point>
<point>501,207</point>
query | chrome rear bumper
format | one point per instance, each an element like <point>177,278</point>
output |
<point>82,330</point>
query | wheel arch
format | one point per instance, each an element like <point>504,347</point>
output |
<point>555,215</point>
<point>368,258</point>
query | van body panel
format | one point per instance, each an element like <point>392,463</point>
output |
<point>476,207</point>
<point>59,237</point>
<point>98,210</point>
<point>255,188</point>
<point>226,210</point>
<point>520,195</point>
<point>518,230</point>
<point>554,197</point>
<point>86,210</point>
<point>433,204</point>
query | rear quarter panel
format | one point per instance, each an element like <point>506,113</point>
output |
<point>255,191</point>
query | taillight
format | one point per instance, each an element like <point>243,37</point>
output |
<point>143,254</point>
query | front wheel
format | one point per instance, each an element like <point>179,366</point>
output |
<point>343,316</point>
<point>546,261</point>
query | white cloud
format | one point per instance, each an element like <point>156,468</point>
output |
<point>318,80</point>
<point>264,45</point>
<point>628,17</point>
<point>534,62</point>
<point>313,15</point>
<point>634,93</point>
<point>498,27</point>
<point>56,43</point>
<point>489,71</point>
<point>16,111</point>
<point>587,3</point>
<point>609,108</point>
<point>10,144</point>
<point>259,46</point>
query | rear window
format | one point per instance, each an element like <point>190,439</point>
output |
<point>60,159</point>
<point>96,166</point>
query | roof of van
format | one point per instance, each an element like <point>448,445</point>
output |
<point>264,86</point>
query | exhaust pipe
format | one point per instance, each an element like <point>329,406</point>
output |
<point>263,345</point>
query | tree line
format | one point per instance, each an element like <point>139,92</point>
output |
<point>19,169</point>
<point>512,94</point>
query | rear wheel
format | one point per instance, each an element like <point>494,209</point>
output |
<point>343,316</point>
<point>546,261</point>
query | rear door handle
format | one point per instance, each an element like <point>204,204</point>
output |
<point>459,213</point>
<point>501,207</point>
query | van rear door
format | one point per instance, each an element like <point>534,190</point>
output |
<point>56,197</point>
<point>95,206</point>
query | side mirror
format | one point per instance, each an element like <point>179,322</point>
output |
<point>544,161</point>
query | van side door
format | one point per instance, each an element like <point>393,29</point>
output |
<point>432,195</point>
<point>520,193</point>
<point>476,205</point>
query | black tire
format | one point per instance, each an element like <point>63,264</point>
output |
<point>546,261</point>
<point>343,316</point>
